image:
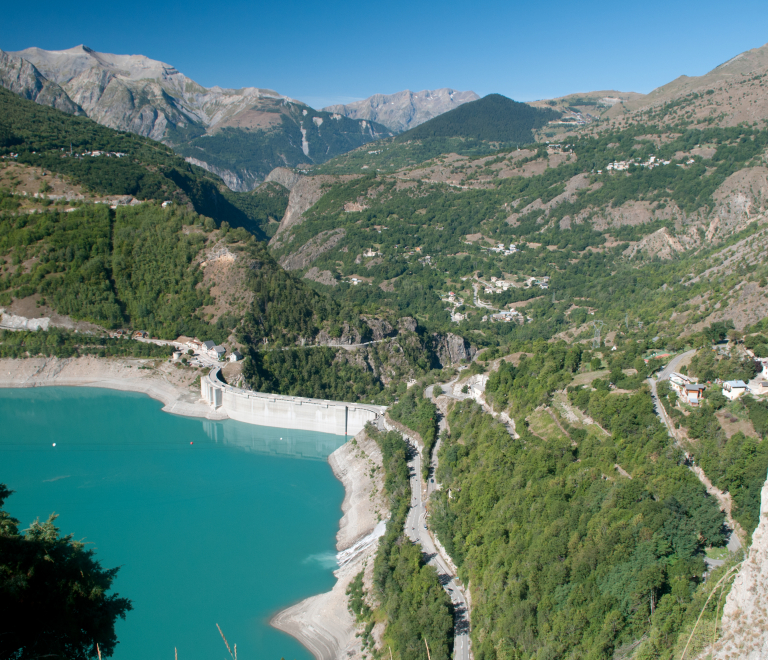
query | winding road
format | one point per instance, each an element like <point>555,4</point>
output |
<point>416,530</point>
<point>664,374</point>
<point>734,543</point>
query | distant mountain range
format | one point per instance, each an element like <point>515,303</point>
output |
<point>239,134</point>
<point>404,110</point>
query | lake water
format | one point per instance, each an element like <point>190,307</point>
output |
<point>227,530</point>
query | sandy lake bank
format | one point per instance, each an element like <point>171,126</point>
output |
<point>164,382</point>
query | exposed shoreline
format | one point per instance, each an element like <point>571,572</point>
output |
<point>323,623</point>
<point>165,383</point>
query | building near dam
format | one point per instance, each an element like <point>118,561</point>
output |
<point>289,412</point>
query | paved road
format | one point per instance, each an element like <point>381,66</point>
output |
<point>416,529</point>
<point>733,542</point>
<point>447,391</point>
<point>664,375</point>
<point>477,301</point>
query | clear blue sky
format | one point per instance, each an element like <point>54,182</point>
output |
<point>324,52</point>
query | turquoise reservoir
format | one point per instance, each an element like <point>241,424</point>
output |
<point>227,530</point>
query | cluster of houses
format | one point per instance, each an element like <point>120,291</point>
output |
<point>498,284</point>
<point>620,165</point>
<point>508,316</point>
<point>212,350</point>
<point>692,392</point>
<point>503,249</point>
<point>558,148</point>
<point>108,154</point>
<point>573,117</point>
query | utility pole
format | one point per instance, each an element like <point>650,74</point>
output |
<point>626,321</point>
<point>596,339</point>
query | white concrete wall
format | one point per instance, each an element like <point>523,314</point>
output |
<point>287,412</point>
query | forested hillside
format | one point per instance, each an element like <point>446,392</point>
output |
<point>494,118</point>
<point>147,170</point>
<point>606,243</point>
<point>578,537</point>
<point>299,137</point>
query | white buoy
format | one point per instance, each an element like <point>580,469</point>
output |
<point>54,444</point>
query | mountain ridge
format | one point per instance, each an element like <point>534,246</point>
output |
<point>153,99</point>
<point>409,110</point>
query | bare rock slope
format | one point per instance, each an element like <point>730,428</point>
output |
<point>404,110</point>
<point>23,78</point>
<point>136,93</point>
<point>745,632</point>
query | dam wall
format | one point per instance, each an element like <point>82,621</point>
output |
<point>288,412</point>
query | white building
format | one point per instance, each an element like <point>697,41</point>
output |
<point>733,389</point>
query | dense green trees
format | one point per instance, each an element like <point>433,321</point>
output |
<point>548,368</point>
<point>130,266</point>
<point>54,599</point>
<point>494,118</point>
<point>567,558</point>
<point>736,464</point>
<point>313,372</point>
<point>707,365</point>
<point>63,343</point>
<point>419,414</point>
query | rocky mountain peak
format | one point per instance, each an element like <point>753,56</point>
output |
<point>404,110</point>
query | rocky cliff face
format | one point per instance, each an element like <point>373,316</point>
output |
<point>452,349</point>
<point>23,78</point>
<point>745,615</point>
<point>238,134</point>
<point>135,93</point>
<point>233,181</point>
<point>404,110</point>
<point>304,193</point>
<point>285,177</point>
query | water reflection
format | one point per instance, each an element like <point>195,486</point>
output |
<point>272,441</point>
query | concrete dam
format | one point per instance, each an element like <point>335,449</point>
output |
<point>288,412</point>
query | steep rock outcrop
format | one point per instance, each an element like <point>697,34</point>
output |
<point>312,249</point>
<point>304,193</point>
<point>285,177</point>
<point>233,181</point>
<point>451,349</point>
<point>321,276</point>
<point>23,78</point>
<point>739,200</point>
<point>745,633</point>
<point>380,328</point>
